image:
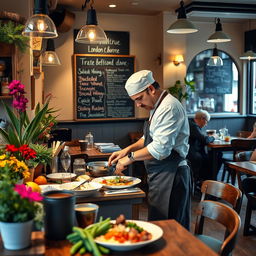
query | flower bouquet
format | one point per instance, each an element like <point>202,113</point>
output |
<point>21,129</point>
<point>19,206</point>
<point>12,162</point>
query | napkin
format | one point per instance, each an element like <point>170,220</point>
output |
<point>109,149</point>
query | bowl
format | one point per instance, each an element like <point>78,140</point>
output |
<point>99,168</point>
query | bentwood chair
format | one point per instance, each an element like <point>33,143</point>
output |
<point>224,191</point>
<point>224,215</point>
<point>249,188</point>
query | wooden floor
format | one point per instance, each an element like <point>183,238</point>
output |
<point>246,245</point>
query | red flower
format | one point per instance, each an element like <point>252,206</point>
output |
<point>11,148</point>
<point>27,152</point>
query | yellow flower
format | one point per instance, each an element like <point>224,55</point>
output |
<point>2,157</point>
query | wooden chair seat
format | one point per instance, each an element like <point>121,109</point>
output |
<point>224,215</point>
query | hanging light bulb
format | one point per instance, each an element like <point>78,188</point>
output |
<point>40,24</point>
<point>182,25</point>
<point>219,36</point>
<point>50,57</point>
<point>91,32</point>
<point>215,60</point>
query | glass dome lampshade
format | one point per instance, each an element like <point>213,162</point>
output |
<point>40,24</point>
<point>91,32</point>
<point>248,55</point>
<point>219,36</point>
<point>182,25</point>
<point>215,60</point>
<point>50,57</point>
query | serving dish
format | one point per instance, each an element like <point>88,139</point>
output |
<point>86,189</point>
<point>61,176</point>
<point>107,182</point>
<point>155,230</point>
<point>99,168</point>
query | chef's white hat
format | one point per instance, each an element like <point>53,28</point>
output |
<point>139,81</point>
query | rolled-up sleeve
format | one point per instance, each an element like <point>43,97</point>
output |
<point>164,132</point>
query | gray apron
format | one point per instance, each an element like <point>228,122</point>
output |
<point>169,185</point>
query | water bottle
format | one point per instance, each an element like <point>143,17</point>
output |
<point>65,159</point>
<point>89,139</point>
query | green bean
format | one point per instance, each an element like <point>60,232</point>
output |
<point>72,235</point>
<point>75,247</point>
<point>95,249</point>
<point>104,250</point>
<point>82,250</point>
<point>102,229</point>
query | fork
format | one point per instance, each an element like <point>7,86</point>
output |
<point>80,184</point>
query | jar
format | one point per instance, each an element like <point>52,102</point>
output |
<point>79,167</point>
<point>5,86</point>
<point>89,138</point>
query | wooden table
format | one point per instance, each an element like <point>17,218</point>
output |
<point>218,146</point>
<point>175,241</point>
<point>91,153</point>
<point>246,167</point>
<point>114,204</point>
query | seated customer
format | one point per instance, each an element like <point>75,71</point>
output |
<point>197,155</point>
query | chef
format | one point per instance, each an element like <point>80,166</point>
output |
<point>163,147</point>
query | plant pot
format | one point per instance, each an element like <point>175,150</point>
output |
<point>31,177</point>
<point>16,236</point>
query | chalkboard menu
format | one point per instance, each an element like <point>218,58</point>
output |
<point>218,79</point>
<point>118,43</point>
<point>99,86</point>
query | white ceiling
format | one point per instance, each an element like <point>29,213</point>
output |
<point>143,7</point>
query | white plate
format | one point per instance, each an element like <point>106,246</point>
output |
<point>85,190</point>
<point>135,180</point>
<point>155,230</point>
<point>61,176</point>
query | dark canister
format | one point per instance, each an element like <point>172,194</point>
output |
<point>59,214</point>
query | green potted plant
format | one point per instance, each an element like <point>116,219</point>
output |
<point>19,207</point>
<point>11,33</point>
<point>182,91</point>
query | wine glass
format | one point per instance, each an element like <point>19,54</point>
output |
<point>65,162</point>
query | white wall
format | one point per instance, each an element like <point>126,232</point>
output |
<point>145,44</point>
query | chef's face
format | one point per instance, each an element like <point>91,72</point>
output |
<point>144,99</point>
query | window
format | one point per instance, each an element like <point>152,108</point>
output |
<point>216,88</point>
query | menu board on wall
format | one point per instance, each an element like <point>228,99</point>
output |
<point>118,43</point>
<point>218,79</point>
<point>99,86</point>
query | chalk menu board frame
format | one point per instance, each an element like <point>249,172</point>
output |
<point>75,91</point>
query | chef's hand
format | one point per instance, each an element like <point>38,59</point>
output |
<point>116,156</point>
<point>120,166</point>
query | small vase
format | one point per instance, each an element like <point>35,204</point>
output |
<point>16,236</point>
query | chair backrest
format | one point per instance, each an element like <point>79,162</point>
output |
<point>243,134</point>
<point>242,145</point>
<point>222,214</point>
<point>243,156</point>
<point>224,191</point>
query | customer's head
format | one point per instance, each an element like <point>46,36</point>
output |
<point>202,117</point>
<point>143,89</point>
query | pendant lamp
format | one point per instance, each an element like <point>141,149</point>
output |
<point>182,25</point>
<point>219,36</point>
<point>40,24</point>
<point>50,57</point>
<point>215,60</point>
<point>91,33</point>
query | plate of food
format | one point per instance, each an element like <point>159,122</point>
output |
<point>126,235</point>
<point>61,176</point>
<point>117,182</point>
<point>86,189</point>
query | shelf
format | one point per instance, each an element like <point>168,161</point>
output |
<point>5,97</point>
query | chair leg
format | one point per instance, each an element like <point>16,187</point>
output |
<point>247,220</point>
<point>224,172</point>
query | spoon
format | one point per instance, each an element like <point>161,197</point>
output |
<point>80,184</point>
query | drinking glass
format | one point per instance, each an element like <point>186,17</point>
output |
<point>86,214</point>
<point>65,162</point>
